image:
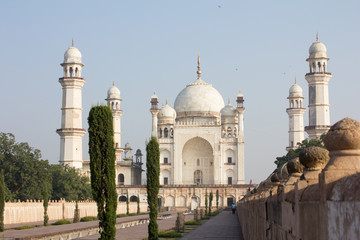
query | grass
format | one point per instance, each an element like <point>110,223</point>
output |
<point>127,215</point>
<point>88,219</point>
<point>24,227</point>
<point>61,222</point>
<point>169,234</point>
<point>192,222</point>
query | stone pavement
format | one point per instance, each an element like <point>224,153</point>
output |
<point>141,231</point>
<point>223,226</point>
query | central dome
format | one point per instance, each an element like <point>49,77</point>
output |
<point>199,97</point>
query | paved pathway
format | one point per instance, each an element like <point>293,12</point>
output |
<point>141,231</point>
<point>223,226</point>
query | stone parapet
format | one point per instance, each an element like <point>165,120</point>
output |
<point>322,203</point>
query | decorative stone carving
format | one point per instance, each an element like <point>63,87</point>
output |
<point>343,135</point>
<point>294,166</point>
<point>314,158</point>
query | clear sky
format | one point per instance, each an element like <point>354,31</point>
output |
<point>256,46</point>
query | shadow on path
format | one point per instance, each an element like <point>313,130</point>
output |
<point>223,226</point>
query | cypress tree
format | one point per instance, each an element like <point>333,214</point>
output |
<point>127,203</point>
<point>2,200</point>
<point>46,204</point>
<point>206,203</point>
<point>217,198</point>
<point>102,167</point>
<point>210,202</point>
<point>76,213</point>
<point>153,169</point>
<point>138,205</point>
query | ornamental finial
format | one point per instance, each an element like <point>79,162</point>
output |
<point>317,36</point>
<point>198,71</point>
<point>72,43</point>
<point>295,79</point>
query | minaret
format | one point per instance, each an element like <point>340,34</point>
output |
<point>318,79</point>
<point>241,155</point>
<point>71,130</point>
<point>154,112</point>
<point>296,116</point>
<point>113,99</point>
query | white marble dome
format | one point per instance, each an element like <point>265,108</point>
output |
<point>199,97</point>
<point>72,55</point>
<point>113,93</point>
<point>317,50</point>
<point>295,91</point>
<point>167,111</point>
<point>228,111</point>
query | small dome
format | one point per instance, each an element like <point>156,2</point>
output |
<point>240,94</point>
<point>72,55</point>
<point>167,111</point>
<point>228,110</point>
<point>113,93</point>
<point>154,96</point>
<point>317,50</point>
<point>295,91</point>
<point>127,146</point>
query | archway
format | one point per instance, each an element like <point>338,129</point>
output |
<point>197,154</point>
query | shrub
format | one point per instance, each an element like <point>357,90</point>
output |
<point>61,222</point>
<point>24,227</point>
<point>88,219</point>
<point>121,215</point>
<point>192,222</point>
<point>169,234</point>
<point>132,214</point>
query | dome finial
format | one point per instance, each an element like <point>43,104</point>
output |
<point>229,100</point>
<point>72,43</point>
<point>113,83</point>
<point>166,101</point>
<point>317,36</point>
<point>295,79</point>
<point>198,71</point>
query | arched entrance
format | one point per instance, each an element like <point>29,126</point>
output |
<point>198,162</point>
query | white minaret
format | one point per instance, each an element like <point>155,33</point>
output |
<point>318,79</point>
<point>71,131</point>
<point>113,99</point>
<point>241,155</point>
<point>296,116</point>
<point>154,112</point>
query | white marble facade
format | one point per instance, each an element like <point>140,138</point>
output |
<point>201,140</point>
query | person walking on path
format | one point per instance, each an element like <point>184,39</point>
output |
<point>233,208</point>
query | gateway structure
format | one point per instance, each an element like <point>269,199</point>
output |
<point>201,139</point>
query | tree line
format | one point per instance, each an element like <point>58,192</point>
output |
<point>27,175</point>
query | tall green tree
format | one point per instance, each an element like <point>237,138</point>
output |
<point>153,170</point>
<point>45,205</point>
<point>217,198</point>
<point>210,202</point>
<point>127,203</point>
<point>68,183</point>
<point>102,166</point>
<point>2,200</point>
<point>206,203</point>
<point>25,171</point>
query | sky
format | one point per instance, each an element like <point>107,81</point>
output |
<point>258,47</point>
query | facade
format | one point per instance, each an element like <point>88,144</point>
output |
<point>296,116</point>
<point>318,80</point>
<point>319,109</point>
<point>128,171</point>
<point>201,140</point>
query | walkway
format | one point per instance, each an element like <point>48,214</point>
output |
<point>223,226</point>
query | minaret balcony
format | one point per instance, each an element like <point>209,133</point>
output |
<point>317,73</point>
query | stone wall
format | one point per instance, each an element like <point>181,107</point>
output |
<point>314,197</point>
<point>31,211</point>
